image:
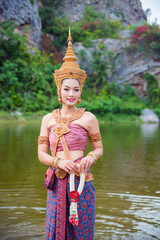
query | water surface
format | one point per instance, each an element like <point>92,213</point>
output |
<point>127,182</point>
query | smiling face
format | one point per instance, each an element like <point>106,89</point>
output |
<point>70,91</point>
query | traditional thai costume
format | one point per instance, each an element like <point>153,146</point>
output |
<point>67,136</point>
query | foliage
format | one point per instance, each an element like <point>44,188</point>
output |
<point>12,45</point>
<point>146,38</point>
<point>110,117</point>
<point>26,81</point>
<point>32,2</point>
<point>101,66</point>
<point>25,77</point>
<point>114,105</point>
<point>112,88</point>
<point>129,91</point>
<point>153,89</point>
<point>92,26</point>
<point>95,25</point>
<point>157,110</point>
<point>112,101</point>
<point>47,15</point>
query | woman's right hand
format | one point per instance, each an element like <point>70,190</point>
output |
<point>67,165</point>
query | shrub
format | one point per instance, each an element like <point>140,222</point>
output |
<point>92,26</point>
<point>146,38</point>
<point>98,69</point>
<point>153,89</point>
<point>23,75</point>
<point>113,105</point>
<point>129,91</point>
<point>157,110</point>
<point>111,88</point>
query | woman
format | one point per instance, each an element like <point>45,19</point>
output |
<point>66,131</point>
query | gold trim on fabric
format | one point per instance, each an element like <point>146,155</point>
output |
<point>60,130</point>
<point>43,140</point>
<point>95,137</point>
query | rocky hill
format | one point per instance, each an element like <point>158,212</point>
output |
<point>128,67</point>
<point>25,15</point>
<point>127,11</point>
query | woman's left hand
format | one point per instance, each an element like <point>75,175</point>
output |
<point>85,164</point>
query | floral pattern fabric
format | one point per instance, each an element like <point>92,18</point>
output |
<point>86,213</point>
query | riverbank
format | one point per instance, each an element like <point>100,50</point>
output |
<point>37,116</point>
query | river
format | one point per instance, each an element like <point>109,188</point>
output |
<point>127,182</point>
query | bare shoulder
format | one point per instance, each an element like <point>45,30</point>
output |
<point>47,117</point>
<point>90,116</point>
<point>89,121</point>
<point>44,124</point>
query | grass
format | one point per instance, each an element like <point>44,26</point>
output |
<point>27,116</point>
<point>34,116</point>
<point>119,118</point>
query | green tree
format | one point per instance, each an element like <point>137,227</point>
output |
<point>22,75</point>
<point>98,69</point>
<point>153,89</point>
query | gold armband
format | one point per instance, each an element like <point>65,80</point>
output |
<point>43,139</point>
<point>95,137</point>
<point>93,155</point>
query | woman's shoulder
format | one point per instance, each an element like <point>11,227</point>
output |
<point>91,123</point>
<point>88,120</point>
<point>46,120</point>
<point>47,117</point>
<point>90,116</point>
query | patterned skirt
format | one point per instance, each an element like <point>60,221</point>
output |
<point>86,213</point>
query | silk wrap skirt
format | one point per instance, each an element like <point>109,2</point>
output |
<point>86,212</point>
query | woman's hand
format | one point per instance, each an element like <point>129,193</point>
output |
<point>85,163</point>
<point>67,165</point>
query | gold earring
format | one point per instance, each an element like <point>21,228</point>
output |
<point>60,100</point>
<point>79,101</point>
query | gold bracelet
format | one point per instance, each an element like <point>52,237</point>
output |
<point>93,155</point>
<point>54,164</point>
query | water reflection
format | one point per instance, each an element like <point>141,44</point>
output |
<point>127,182</point>
<point>149,130</point>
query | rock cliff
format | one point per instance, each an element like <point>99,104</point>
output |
<point>128,67</point>
<point>127,11</point>
<point>24,14</point>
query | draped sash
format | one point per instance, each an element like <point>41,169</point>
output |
<point>60,130</point>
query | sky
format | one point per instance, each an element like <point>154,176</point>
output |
<point>154,5</point>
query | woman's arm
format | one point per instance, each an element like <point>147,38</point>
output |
<point>43,155</point>
<point>93,131</point>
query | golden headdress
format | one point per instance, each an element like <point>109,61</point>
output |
<point>69,68</point>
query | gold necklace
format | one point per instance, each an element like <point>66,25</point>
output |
<point>67,119</point>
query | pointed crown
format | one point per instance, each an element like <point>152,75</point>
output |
<point>69,68</point>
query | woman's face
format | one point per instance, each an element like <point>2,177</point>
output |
<point>70,91</point>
